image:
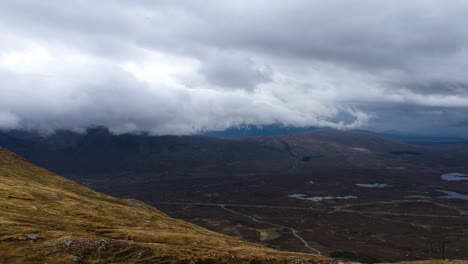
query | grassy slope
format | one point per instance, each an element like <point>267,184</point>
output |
<point>74,222</point>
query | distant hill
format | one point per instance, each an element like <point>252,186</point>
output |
<point>419,139</point>
<point>278,130</point>
<point>259,131</point>
<point>98,153</point>
<point>48,219</point>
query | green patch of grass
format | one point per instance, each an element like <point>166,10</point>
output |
<point>269,234</point>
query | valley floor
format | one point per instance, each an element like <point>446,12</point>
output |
<point>386,224</point>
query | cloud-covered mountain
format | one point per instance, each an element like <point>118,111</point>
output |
<point>183,67</point>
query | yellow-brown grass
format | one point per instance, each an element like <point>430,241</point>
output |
<point>72,223</point>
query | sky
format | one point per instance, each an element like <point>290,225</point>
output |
<point>184,67</point>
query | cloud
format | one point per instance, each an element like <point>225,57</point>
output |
<point>8,120</point>
<point>75,91</point>
<point>234,71</point>
<point>181,67</point>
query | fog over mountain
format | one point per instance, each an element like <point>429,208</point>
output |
<point>184,67</point>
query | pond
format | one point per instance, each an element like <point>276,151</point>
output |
<point>320,198</point>
<point>372,185</point>
<point>454,176</point>
<point>419,197</point>
<point>453,195</point>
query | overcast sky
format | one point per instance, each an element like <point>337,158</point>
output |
<point>181,67</point>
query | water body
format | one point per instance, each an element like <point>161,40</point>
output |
<point>320,198</point>
<point>453,195</point>
<point>419,197</point>
<point>454,176</point>
<point>372,185</point>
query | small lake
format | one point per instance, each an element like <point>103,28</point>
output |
<point>454,176</point>
<point>453,195</point>
<point>372,185</point>
<point>419,197</point>
<point>320,198</point>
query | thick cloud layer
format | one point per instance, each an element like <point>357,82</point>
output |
<point>181,67</point>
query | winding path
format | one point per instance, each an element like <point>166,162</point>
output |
<point>463,215</point>
<point>294,231</point>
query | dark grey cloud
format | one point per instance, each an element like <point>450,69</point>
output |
<point>417,119</point>
<point>436,87</point>
<point>180,67</point>
<point>234,72</point>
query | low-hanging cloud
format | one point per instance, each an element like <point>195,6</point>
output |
<point>182,67</point>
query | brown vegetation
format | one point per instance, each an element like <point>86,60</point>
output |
<point>49,219</point>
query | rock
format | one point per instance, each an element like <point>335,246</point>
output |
<point>78,258</point>
<point>31,236</point>
<point>337,261</point>
<point>67,242</point>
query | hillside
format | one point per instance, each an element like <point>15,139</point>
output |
<point>46,218</point>
<point>97,154</point>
